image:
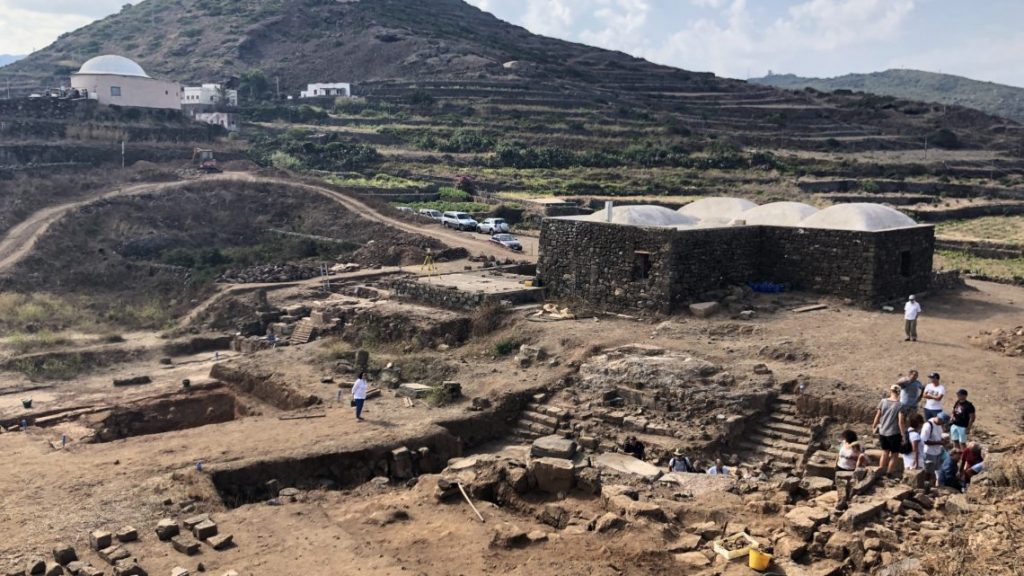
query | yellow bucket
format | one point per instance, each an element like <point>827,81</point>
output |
<point>759,560</point>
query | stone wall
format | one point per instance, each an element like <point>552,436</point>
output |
<point>455,299</point>
<point>658,270</point>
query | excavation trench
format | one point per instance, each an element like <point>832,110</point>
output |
<point>180,411</point>
<point>424,453</point>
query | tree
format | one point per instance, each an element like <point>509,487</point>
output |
<point>255,84</point>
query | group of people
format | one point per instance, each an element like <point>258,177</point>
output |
<point>918,435</point>
<point>679,462</point>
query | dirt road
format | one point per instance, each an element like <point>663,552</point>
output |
<point>19,241</point>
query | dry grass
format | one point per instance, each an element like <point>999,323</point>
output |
<point>1009,229</point>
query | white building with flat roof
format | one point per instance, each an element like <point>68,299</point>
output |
<point>330,89</point>
<point>229,120</point>
<point>119,81</point>
<point>208,94</point>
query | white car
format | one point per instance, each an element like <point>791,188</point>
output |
<point>458,220</point>
<point>406,209</point>
<point>432,214</point>
<point>493,226</point>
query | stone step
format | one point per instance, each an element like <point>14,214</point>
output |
<point>786,425</point>
<point>525,434</point>
<point>549,421</point>
<point>781,454</point>
<point>763,440</point>
<point>537,428</point>
<point>802,439</point>
<point>786,399</point>
<point>785,410</point>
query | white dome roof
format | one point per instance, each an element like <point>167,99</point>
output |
<point>717,209</point>
<point>113,64</point>
<point>777,214</point>
<point>644,215</point>
<point>863,217</point>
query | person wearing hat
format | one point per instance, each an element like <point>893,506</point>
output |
<point>934,392</point>
<point>680,463</point>
<point>890,425</point>
<point>931,436</point>
<point>963,420</point>
<point>911,310</point>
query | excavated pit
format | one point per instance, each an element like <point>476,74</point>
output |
<point>398,460</point>
<point>179,411</point>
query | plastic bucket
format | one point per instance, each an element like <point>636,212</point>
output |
<point>27,403</point>
<point>759,560</point>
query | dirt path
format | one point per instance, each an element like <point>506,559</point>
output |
<point>19,241</point>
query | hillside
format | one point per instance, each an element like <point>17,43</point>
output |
<point>997,99</point>
<point>6,59</point>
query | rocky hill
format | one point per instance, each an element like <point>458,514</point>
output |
<point>997,99</point>
<point>6,59</point>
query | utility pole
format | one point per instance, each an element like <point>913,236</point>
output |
<point>122,154</point>
<point>277,79</point>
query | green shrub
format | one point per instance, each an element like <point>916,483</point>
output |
<point>505,346</point>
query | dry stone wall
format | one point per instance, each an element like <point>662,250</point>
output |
<point>658,270</point>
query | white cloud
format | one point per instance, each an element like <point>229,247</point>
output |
<point>28,25</point>
<point>709,3</point>
<point>623,21</point>
<point>549,17</point>
<point>735,43</point>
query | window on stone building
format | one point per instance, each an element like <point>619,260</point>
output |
<point>642,265</point>
<point>905,263</point>
<point>115,90</point>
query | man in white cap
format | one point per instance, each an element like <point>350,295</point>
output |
<point>910,313</point>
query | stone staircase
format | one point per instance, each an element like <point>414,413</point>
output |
<point>304,332</point>
<point>538,420</point>
<point>781,434</point>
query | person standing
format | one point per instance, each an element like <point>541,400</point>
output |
<point>931,436</point>
<point>635,447</point>
<point>680,463</point>
<point>911,390</point>
<point>890,426</point>
<point>934,392</point>
<point>914,460</point>
<point>359,390</point>
<point>963,420</point>
<point>911,310</point>
<point>718,469</point>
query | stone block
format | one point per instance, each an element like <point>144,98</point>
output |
<point>64,554</point>
<point>191,521</point>
<point>790,548</point>
<point>626,464</point>
<point>685,543</point>
<point>53,569</point>
<point>185,545</point>
<point>610,522</point>
<point>128,567</point>
<point>647,510</point>
<point>552,475</point>
<point>204,530</point>
<point>127,534</point>
<point>507,535</point>
<point>802,521</point>
<point>588,481</point>
<point>414,390</point>
<point>179,571</point>
<point>704,309</point>
<point>553,446</point>
<point>692,560</point>
<point>35,566</point>
<point>860,513</point>
<point>75,567</point>
<point>89,570</point>
<point>220,541</point>
<point>635,423</point>
<point>100,539</point>
<point>707,530</point>
<point>816,485</point>
<point>167,529</point>
<point>112,554</point>
<point>401,464</point>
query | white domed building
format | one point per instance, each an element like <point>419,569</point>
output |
<point>119,81</point>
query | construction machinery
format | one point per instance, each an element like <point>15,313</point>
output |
<point>203,159</point>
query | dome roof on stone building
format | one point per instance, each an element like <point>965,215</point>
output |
<point>717,209</point>
<point>113,64</point>
<point>643,215</point>
<point>777,214</point>
<point>862,217</point>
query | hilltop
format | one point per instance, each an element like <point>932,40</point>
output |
<point>996,99</point>
<point>6,59</point>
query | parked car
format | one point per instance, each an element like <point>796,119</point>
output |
<point>508,241</point>
<point>433,214</point>
<point>458,220</point>
<point>406,209</point>
<point>493,226</point>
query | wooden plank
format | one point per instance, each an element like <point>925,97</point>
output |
<point>810,308</point>
<point>302,416</point>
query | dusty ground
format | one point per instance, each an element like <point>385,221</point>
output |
<point>54,495</point>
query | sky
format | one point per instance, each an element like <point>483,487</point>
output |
<point>979,39</point>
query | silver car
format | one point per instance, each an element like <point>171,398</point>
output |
<point>508,241</point>
<point>432,214</point>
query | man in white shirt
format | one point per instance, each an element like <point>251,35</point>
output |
<point>718,469</point>
<point>910,313</point>
<point>931,437</point>
<point>934,392</point>
<point>359,390</point>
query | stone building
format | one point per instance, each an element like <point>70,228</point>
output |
<point>116,80</point>
<point>649,258</point>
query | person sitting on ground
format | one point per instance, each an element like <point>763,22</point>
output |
<point>851,455</point>
<point>947,474</point>
<point>934,392</point>
<point>931,437</point>
<point>972,462</point>
<point>718,469</point>
<point>911,390</point>
<point>914,459</point>
<point>635,447</point>
<point>891,427</point>
<point>963,419</point>
<point>680,463</point>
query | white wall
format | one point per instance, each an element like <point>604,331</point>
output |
<point>135,91</point>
